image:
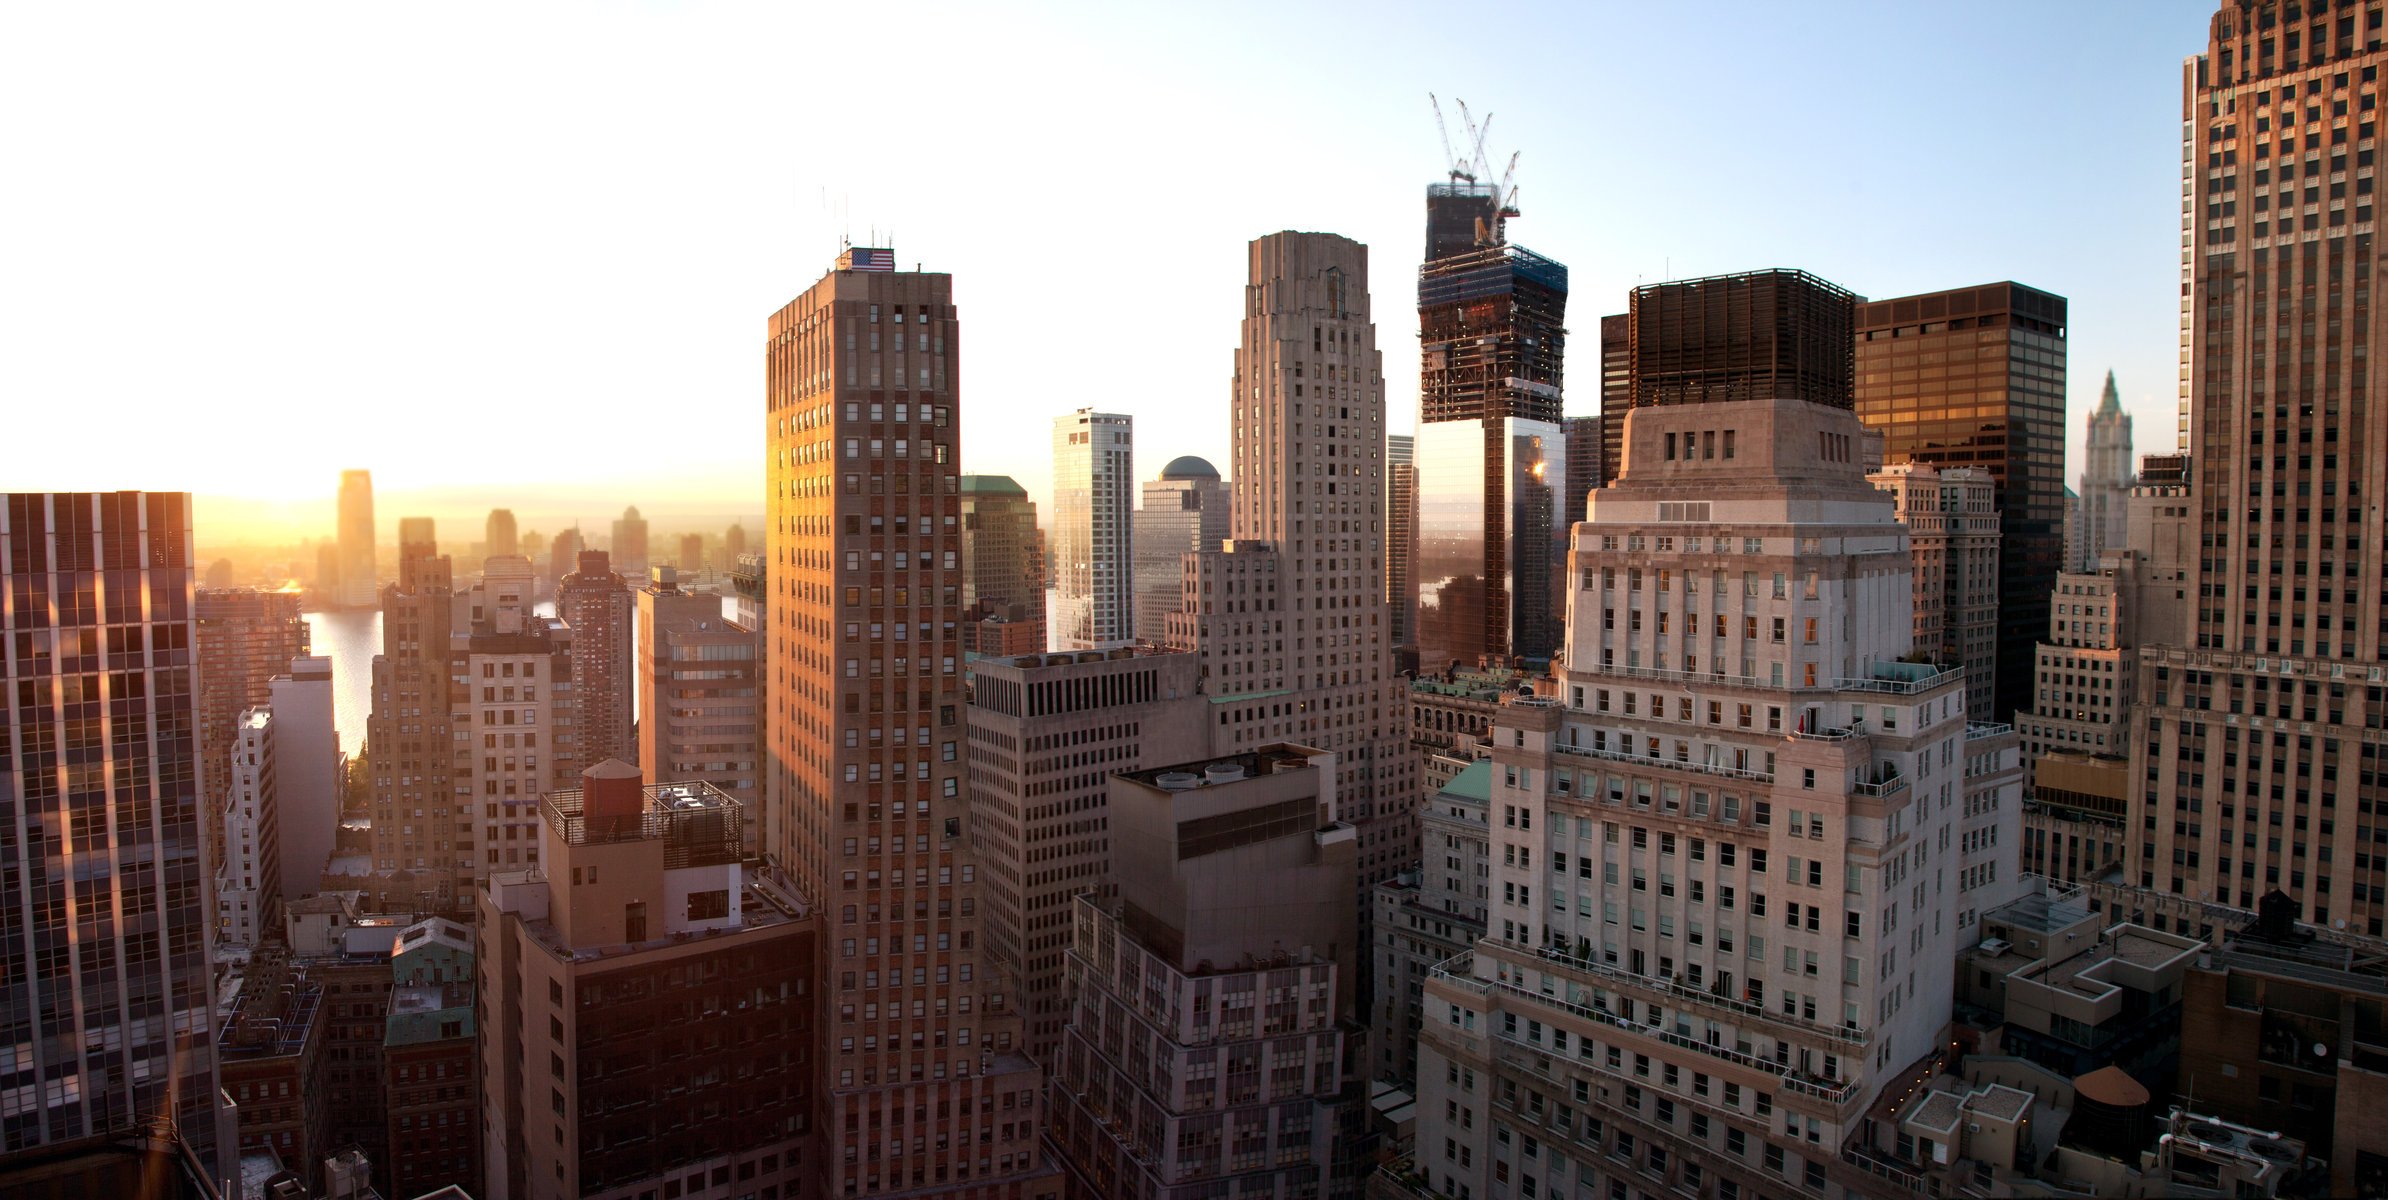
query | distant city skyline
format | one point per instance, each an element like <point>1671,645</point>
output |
<point>613,270</point>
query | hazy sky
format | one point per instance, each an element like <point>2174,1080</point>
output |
<point>527,251</point>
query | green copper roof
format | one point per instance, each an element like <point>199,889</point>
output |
<point>1474,781</point>
<point>991,485</point>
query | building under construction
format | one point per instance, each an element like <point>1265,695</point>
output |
<point>1763,335</point>
<point>1493,321</point>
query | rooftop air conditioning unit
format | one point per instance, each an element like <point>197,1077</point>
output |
<point>1994,945</point>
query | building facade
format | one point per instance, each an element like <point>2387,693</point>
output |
<point>110,1004</point>
<point>1047,731</point>
<point>1760,335</point>
<point>246,637</point>
<point>417,819</point>
<point>1182,512</point>
<point>1952,530</point>
<point>1093,542</point>
<point>1426,917</point>
<point>428,1062</point>
<point>594,602</point>
<point>1975,377</point>
<point>1401,542</point>
<point>249,893</point>
<point>699,692</point>
<point>1720,911</point>
<point>2106,480</point>
<point>863,802</point>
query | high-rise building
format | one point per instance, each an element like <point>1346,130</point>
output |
<point>110,995</point>
<point>520,710</point>
<point>692,555</point>
<point>1003,568</point>
<point>2256,726</point>
<point>563,555</point>
<point>1492,519</point>
<point>246,637</point>
<point>863,801</point>
<point>2106,481</point>
<point>1952,537</point>
<point>1583,464</point>
<point>1047,731</point>
<point>1183,511</point>
<point>1428,916</point>
<point>750,579</point>
<point>647,1008</point>
<point>418,820</point>
<point>595,603</point>
<point>360,582</point>
<point>1093,536</point>
<point>1710,930</point>
<point>500,537</point>
<point>1213,1031</point>
<point>1975,377</point>
<point>733,543</point>
<point>1490,447</point>
<point>418,540</point>
<point>1760,335</point>
<point>249,875</point>
<point>311,774</point>
<point>1289,617</point>
<point>1616,390</point>
<point>629,545</point>
<point>700,713</point>
<point>1401,543</point>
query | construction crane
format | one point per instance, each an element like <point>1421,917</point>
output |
<point>1458,166</point>
<point>1478,168</point>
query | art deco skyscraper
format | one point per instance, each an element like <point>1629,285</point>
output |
<point>1296,603</point>
<point>1975,377</point>
<point>922,1086</point>
<point>104,971</point>
<point>360,584</point>
<point>2106,480</point>
<point>2259,734</point>
<point>595,603</point>
<point>1094,492</point>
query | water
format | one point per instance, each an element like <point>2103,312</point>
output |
<point>350,639</point>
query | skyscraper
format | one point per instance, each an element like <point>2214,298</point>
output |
<point>698,692</point>
<point>246,637</point>
<point>629,545</point>
<point>104,972</point>
<point>691,563</point>
<point>1183,511</point>
<point>1401,544</point>
<point>1583,465</point>
<point>1975,377</point>
<point>500,537</point>
<point>863,802</point>
<point>2106,480</point>
<point>1290,618</point>
<point>1758,335</point>
<point>1490,447</point>
<point>1004,570</point>
<point>360,583</point>
<point>418,820</point>
<point>1094,489</point>
<point>595,603</point>
<point>2257,729</point>
<point>1952,537</point>
<point>1616,390</point>
<point>563,555</point>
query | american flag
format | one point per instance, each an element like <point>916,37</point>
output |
<point>867,258</point>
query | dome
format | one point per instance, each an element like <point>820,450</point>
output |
<point>1189,467</point>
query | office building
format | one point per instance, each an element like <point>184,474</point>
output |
<point>1429,915</point>
<point>1761,335</point>
<point>1094,585</point>
<point>1047,731</point>
<point>1003,568</point>
<point>1952,536</point>
<point>246,637</point>
<point>595,603</point>
<point>1975,377</point>
<point>1713,941</point>
<point>1289,618</point>
<point>647,1007</point>
<point>1401,542</point>
<point>629,544</point>
<point>691,562</point>
<point>1451,716</point>
<point>2254,726</point>
<point>1492,523</point>
<point>520,712</point>
<point>2106,481</point>
<point>1490,453</point>
<point>427,1060</point>
<point>281,810</point>
<point>699,692</point>
<point>1182,512</point>
<point>117,985</point>
<point>1583,464</point>
<point>750,582</point>
<point>499,536</point>
<point>310,770</point>
<point>1616,390</point>
<point>1212,1040</point>
<point>733,542</point>
<point>249,876</point>
<point>360,581</point>
<point>418,819</point>
<point>863,801</point>
<point>563,556</point>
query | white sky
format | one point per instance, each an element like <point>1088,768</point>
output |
<point>522,254</point>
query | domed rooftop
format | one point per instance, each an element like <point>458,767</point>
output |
<point>1189,467</point>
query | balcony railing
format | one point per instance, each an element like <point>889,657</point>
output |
<point>1831,1092</point>
<point>1887,787</point>
<point>1603,972</point>
<point>1645,760</point>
